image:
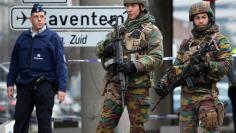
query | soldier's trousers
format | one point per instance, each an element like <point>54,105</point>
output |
<point>137,103</point>
<point>189,119</point>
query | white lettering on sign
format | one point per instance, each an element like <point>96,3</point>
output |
<point>70,18</point>
<point>81,39</point>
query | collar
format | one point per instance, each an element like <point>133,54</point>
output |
<point>38,32</point>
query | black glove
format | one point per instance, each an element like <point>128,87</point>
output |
<point>127,68</point>
<point>161,89</point>
<point>199,68</point>
<point>109,50</point>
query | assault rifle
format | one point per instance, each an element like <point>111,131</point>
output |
<point>118,56</point>
<point>206,45</point>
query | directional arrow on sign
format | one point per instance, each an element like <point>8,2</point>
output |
<point>69,18</point>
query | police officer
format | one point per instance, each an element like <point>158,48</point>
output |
<point>143,51</point>
<point>38,69</point>
<point>199,102</point>
<point>232,88</point>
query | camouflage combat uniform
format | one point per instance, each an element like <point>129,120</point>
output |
<point>198,103</point>
<point>142,44</point>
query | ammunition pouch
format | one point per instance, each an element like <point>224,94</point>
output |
<point>208,116</point>
<point>220,112</point>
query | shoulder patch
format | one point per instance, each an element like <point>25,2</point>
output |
<point>151,30</point>
<point>147,27</point>
<point>221,39</point>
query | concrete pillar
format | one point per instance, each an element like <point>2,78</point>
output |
<point>162,11</point>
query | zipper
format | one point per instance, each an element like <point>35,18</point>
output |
<point>30,53</point>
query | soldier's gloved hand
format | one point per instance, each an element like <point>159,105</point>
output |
<point>161,89</point>
<point>127,68</point>
<point>199,68</point>
<point>109,49</point>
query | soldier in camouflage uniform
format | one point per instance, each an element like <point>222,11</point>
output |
<point>143,52</point>
<point>199,103</point>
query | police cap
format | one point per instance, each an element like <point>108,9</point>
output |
<point>37,8</point>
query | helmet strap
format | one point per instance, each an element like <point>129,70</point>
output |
<point>212,20</point>
<point>141,11</point>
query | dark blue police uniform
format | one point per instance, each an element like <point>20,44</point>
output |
<point>34,58</point>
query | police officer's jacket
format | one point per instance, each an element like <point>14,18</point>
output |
<point>35,56</point>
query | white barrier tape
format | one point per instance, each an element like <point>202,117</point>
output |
<point>68,119</point>
<point>89,61</point>
<point>163,117</point>
<point>99,61</point>
<point>169,58</point>
<point>151,117</point>
<point>174,116</point>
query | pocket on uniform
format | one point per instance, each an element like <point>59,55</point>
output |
<point>48,89</point>
<point>42,60</point>
<point>144,105</point>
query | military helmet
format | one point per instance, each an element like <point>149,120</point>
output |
<point>201,7</point>
<point>144,2</point>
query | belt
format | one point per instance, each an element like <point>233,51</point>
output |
<point>35,83</point>
<point>29,86</point>
<point>203,85</point>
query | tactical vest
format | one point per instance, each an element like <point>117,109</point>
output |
<point>187,49</point>
<point>135,47</point>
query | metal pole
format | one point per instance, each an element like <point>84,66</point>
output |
<point>162,10</point>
